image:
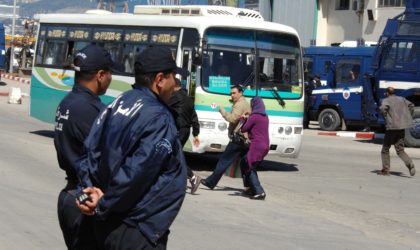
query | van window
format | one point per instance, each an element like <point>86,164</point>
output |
<point>347,70</point>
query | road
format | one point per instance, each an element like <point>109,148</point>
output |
<point>328,198</point>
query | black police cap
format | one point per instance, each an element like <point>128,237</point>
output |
<point>93,57</point>
<point>158,59</point>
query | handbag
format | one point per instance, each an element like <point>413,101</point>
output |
<point>239,138</point>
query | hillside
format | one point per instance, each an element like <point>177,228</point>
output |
<point>52,6</point>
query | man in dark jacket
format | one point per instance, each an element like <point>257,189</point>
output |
<point>186,117</point>
<point>313,83</point>
<point>74,118</point>
<point>134,171</point>
<point>397,112</point>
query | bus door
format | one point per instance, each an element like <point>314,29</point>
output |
<point>187,64</point>
<point>189,43</point>
<point>348,87</point>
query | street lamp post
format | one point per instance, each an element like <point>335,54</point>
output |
<point>12,46</point>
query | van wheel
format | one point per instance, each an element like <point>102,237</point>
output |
<point>329,120</point>
<point>412,135</point>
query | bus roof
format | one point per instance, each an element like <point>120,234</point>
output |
<point>211,16</point>
<point>337,51</point>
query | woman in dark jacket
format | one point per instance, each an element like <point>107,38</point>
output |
<point>256,125</point>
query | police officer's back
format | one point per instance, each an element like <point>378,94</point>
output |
<point>74,118</point>
<point>134,169</point>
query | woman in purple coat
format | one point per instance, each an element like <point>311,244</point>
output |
<point>256,125</point>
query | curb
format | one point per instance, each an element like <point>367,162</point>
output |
<point>358,135</point>
<point>16,78</point>
<point>24,95</point>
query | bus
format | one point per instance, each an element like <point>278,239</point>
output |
<point>220,46</point>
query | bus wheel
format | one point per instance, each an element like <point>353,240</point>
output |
<point>412,135</point>
<point>329,120</point>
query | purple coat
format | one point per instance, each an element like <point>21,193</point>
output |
<point>257,128</point>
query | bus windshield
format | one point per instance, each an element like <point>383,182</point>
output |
<point>229,58</point>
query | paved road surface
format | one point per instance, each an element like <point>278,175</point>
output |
<point>328,198</point>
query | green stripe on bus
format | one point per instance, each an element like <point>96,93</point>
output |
<point>269,112</point>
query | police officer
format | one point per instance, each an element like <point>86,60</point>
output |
<point>74,117</point>
<point>134,170</point>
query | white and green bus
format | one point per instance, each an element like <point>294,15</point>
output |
<point>220,46</point>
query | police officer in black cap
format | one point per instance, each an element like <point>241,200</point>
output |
<point>74,118</point>
<point>134,170</point>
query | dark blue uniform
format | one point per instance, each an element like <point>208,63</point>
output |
<point>74,118</point>
<point>134,156</point>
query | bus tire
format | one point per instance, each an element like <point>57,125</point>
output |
<point>412,135</point>
<point>329,120</point>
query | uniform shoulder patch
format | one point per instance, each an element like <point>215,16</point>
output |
<point>164,146</point>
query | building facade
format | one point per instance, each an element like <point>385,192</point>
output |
<point>326,22</point>
<point>344,20</point>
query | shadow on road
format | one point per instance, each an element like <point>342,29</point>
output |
<point>399,174</point>
<point>226,189</point>
<point>207,162</point>
<point>277,166</point>
<point>3,83</point>
<point>45,133</point>
<point>202,162</point>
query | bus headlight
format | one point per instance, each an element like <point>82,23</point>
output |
<point>288,130</point>
<point>222,126</point>
<point>280,130</point>
<point>207,125</point>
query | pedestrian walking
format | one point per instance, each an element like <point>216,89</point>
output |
<point>134,170</point>
<point>398,113</point>
<point>74,118</point>
<point>256,125</point>
<point>232,150</point>
<point>186,117</point>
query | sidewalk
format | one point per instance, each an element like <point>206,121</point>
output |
<point>348,134</point>
<point>26,80</point>
<point>18,82</point>
<point>358,135</point>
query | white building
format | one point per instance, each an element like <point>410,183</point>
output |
<point>343,20</point>
<point>333,21</point>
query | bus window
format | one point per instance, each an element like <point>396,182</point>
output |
<point>130,53</point>
<point>227,60</point>
<point>40,51</point>
<point>73,48</point>
<point>279,65</point>
<point>78,46</point>
<point>55,53</point>
<point>307,68</point>
<point>115,50</point>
